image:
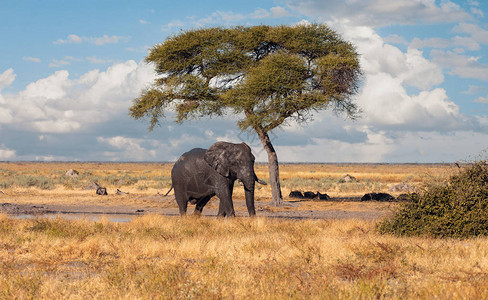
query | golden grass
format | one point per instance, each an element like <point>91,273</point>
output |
<point>144,179</point>
<point>206,258</point>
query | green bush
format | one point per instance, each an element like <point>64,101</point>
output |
<point>456,208</point>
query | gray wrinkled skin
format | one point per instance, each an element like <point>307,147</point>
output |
<point>200,174</point>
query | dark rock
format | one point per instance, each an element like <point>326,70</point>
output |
<point>120,193</point>
<point>378,197</point>
<point>296,194</point>
<point>102,191</point>
<point>309,195</point>
<point>322,196</point>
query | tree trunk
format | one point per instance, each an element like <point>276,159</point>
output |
<point>274,170</point>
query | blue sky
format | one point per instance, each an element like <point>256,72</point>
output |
<point>70,69</point>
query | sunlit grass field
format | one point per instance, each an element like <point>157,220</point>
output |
<point>153,178</point>
<point>161,257</point>
<point>206,258</point>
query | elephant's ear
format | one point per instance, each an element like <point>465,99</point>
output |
<point>217,156</point>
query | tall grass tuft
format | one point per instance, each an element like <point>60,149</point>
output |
<point>457,207</point>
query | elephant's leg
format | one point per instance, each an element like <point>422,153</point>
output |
<point>181,199</point>
<point>200,204</point>
<point>226,206</point>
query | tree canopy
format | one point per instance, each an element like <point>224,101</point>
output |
<point>266,75</point>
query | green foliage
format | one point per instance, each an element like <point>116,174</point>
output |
<point>269,73</point>
<point>457,208</point>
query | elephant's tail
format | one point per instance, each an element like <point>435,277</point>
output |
<point>168,191</point>
<point>259,180</point>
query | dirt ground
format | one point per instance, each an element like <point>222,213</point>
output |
<point>21,204</point>
<point>144,184</point>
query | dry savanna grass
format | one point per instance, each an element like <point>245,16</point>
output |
<point>206,258</point>
<point>28,180</point>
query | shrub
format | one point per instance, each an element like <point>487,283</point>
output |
<point>456,208</point>
<point>40,181</point>
<point>142,187</point>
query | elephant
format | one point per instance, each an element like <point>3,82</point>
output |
<point>200,174</point>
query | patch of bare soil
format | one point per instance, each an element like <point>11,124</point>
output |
<point>158,204</point>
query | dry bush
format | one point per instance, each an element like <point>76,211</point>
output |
<point>457,207</point>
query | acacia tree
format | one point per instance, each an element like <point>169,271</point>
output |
<point>266,75</point>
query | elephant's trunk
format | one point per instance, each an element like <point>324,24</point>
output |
<point>249,193</point>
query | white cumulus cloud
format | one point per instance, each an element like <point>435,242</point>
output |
<point>130,148</point>
<point>30,58</point>
<point>7,78</point>
<point>71,39</point>
<point>273,12</point>
<point>388,71</point>
<point>59,104</point>
<point>482,99</point>
<point>99,41</point>
<point>377,13</point>
<point>6,154</point>
<point>52,87</point>
<point>461,65</point>
<point>56,63</point>
<point>479,34</point>
<point>377,56</point>
<point>393,106</point>
<point>220,17</point>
